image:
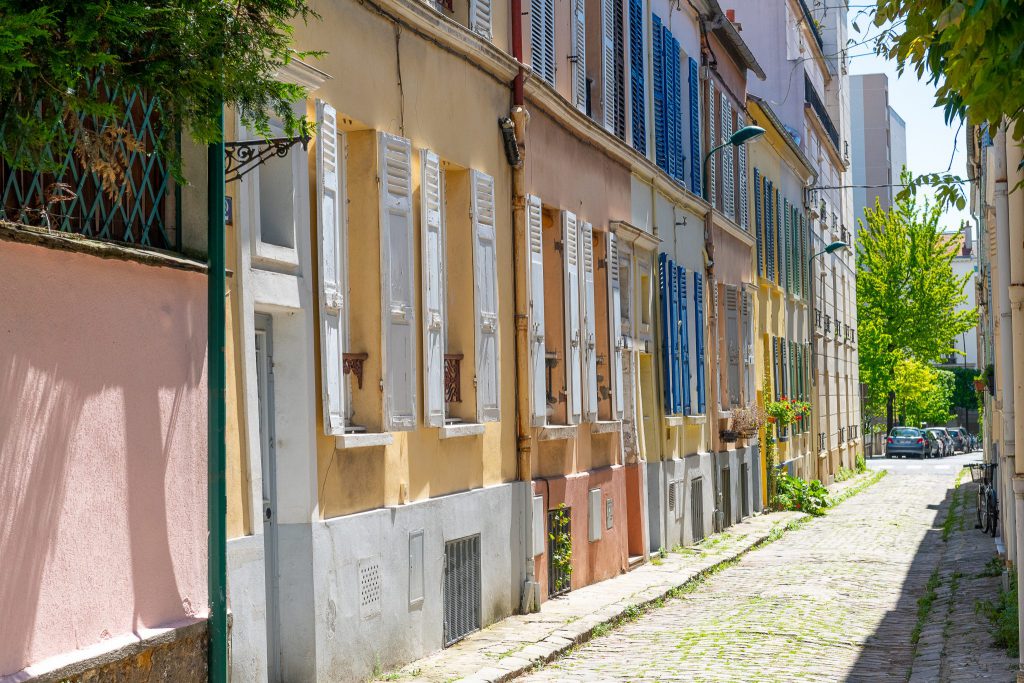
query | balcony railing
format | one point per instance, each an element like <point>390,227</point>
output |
<point>812,99</point>
<point>812,24</point>
<point>453,377</point>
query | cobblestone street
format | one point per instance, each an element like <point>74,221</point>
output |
<point>835,599</point>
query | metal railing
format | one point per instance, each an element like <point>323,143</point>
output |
<point>812,99</point>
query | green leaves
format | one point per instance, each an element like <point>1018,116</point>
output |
<point>907,300</point>
<point>194,56</point>
<point>973,50</point>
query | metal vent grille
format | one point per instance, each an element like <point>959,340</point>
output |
<point>369,587</point>
<point>461,588</point>
<point>672,496</point>
<point>745,488</point>
<point>726,497</point>
<point>697,508</point>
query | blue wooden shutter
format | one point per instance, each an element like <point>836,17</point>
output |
<point>698,322</point>
<point>684,341</point>
<point>658,86</point>
<point>695,157</point>
<point>667,336</point>
<point>636,75</point>
<point>757,222</point>
<point>677,349</point>
<point>677,114</point>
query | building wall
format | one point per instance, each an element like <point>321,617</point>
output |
<point>354,636</point>
<point>873,162</point>
<point>103,450</point>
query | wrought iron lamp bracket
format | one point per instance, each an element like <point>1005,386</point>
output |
<point>242,156</point>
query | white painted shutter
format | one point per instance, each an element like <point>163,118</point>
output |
<point>741,172</point>
<point>615,341</point>
<point>398,343</point>
<point>535,321</point>
<point>728,156</point>
<point>485,284</point>
<point>573,352</point>
<point>480,18</point>
<point>732,343</point>
<point>589,324</point>
<point>433,283</point>
<point>747,323</point>
<point>608,85</point>
<point>330,232</point>
<point>579,55</point>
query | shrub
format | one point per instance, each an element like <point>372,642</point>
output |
<point>803,496</point>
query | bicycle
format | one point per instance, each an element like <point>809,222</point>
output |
<point>988,504</point>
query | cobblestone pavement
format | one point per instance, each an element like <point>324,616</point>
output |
<point>956,644</point>
<point>835,600</point>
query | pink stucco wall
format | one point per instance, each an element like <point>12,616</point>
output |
<point>102,452</point>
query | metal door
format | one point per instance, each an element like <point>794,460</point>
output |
<point>268,459</point>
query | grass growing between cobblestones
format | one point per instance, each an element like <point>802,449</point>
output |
<point>695,582</point>
<point>954,518</point>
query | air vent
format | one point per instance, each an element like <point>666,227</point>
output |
<point>461,588</point>
<point>697,508</point>
<point>369,587</point>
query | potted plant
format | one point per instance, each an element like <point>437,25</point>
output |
<point>746,420</point>
<point>728,435</point>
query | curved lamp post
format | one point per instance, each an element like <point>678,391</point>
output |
<point>831,248</point>
<point>740,137</point>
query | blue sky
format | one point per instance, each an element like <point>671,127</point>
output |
<point>929,139</point>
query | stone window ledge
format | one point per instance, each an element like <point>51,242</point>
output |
<point>455,431</point>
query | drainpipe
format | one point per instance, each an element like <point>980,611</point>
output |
<point>216,487</point>
<point>530,598</point>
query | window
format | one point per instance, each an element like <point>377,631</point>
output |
<point>276,201</point>
<point>473,14</point>
<point>637,89</point>
<point>542,39</point>
<point>575,350</point>
<point>607,69</point>
<point>668,114</point>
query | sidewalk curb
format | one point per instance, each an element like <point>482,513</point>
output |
<point>561,642</point>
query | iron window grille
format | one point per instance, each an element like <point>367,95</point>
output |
<point>142,209</point>
<point>559,577</point>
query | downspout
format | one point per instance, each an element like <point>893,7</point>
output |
<point>217,411</point>
<point>530,598</point>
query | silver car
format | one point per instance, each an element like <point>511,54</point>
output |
<point>945,443</point>
<point>904,441</point>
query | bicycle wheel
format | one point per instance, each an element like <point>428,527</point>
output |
<point>979,508</point>
<point>993,513</point>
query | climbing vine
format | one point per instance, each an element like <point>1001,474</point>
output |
<point>560,535</point>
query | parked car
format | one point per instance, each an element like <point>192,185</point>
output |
<point>945,442</point>
<point>968,441</point>
<point>904,441</point>
<point>957,437</point>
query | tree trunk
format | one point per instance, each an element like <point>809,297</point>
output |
<point>889,410</point>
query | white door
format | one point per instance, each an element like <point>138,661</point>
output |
<point>268,459</point>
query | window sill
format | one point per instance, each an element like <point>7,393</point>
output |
<point>696,419</point>
<point>364,440</point>
<point>558,433</point>
<point>456,430</point>
<point>606,427</point>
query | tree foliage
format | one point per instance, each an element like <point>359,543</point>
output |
<point>972,51</point>
<point>907,294</point>
<point>194,56</point>
<point>923,393</point>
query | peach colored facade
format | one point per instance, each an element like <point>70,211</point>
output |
<point>570,459</point>
<point>102,454</point>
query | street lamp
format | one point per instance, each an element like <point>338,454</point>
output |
<point>740,137</point>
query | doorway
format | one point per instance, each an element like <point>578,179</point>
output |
<point>268,460</point>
